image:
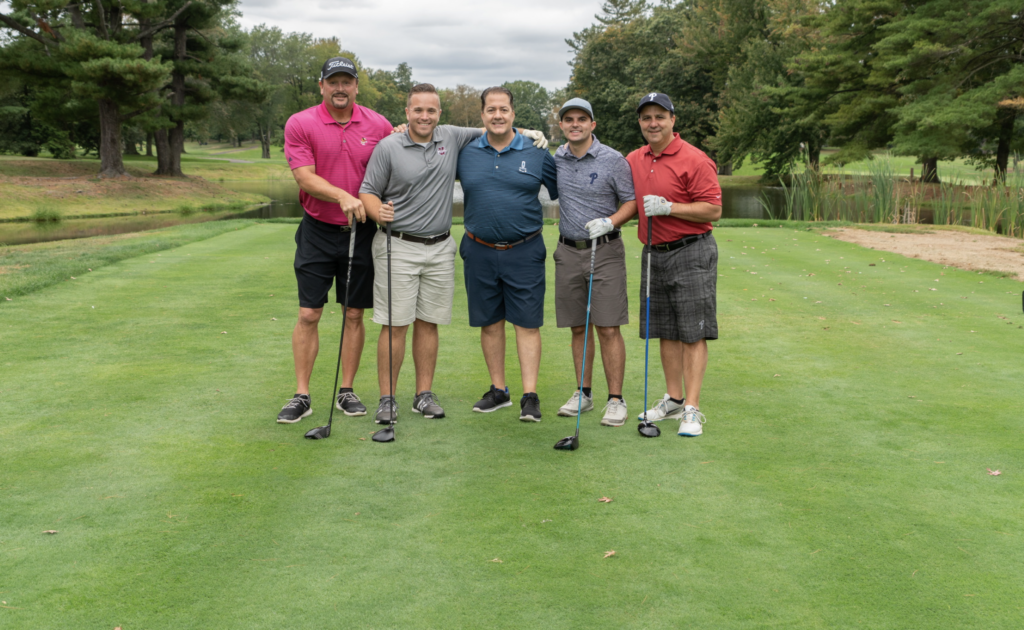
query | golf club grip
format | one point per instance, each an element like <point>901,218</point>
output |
<point>351,244</point>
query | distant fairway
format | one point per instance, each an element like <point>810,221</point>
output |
<point>841,481</point>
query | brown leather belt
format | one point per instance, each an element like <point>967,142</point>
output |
<point>503,246</point>
<point>683,242</point>
<point>601,240</point>
<point>433,240</point>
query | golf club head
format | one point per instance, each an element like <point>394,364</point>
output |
<point>570,443</point>
<point>648,429</point>
<point>386,434</point>
<point>319,433</point>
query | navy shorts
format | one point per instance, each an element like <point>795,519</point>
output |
<point>321,260</point>
<point>505,284</point>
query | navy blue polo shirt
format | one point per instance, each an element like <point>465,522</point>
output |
<point>501,188</point>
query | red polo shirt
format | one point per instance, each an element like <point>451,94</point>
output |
<point>339,152</point>
<point>681,174</point>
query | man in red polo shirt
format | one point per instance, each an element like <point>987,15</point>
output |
<point>677,183</point>
<point>328,147</point>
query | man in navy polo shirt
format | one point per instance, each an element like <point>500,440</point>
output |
<point>504,253</point>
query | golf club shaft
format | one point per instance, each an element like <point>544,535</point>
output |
<point>344,317</point>
<point>391,376</point>
<point>647,321</point>
<point>586,332</point>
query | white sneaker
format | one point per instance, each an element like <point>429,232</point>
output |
<point>614,413</point>
<point>693,421</point>
<point>570,407</point>
<point>665,409</point>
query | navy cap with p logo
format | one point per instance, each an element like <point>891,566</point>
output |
<point>657,98</point>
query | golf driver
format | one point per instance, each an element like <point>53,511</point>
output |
<point>387,434</point>
<point>320,433</point>
<point>572,442</point>
<point>648,428</point>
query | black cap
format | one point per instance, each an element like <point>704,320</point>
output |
<point>658,99</point>
<point>334,65</point>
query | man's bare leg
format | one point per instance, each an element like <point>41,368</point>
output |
<point>352,351</point>
<point>397,355</point>
<point>528,346</point>
<point>424,353</point>
<point>492,341</point>
<point>613,357</point>
<point>684,363</point>
<point>577,353</point>
<point>305,345</point>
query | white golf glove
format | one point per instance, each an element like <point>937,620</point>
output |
<point>538,138</point>
<point>655,206</point>
<point>599,227</point>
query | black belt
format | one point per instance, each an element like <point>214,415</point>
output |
<point>432,240</point>
<point>601,240</point>
<point>308,218</point>
<point>503,246</point>
<point>683,242</point>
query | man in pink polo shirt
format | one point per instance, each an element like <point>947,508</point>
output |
<point>328,147</point>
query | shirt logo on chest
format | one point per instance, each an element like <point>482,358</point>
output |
<point>593,176</point>
<point>362,141</point>
<point>441,151</point>
<point>522,167</point>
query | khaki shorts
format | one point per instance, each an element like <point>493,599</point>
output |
<point>422,281</point>
<point>609,304</point>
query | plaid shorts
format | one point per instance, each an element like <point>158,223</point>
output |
<point>683,302</point>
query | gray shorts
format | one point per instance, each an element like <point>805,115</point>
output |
<point>683,301</point>
<point>609,305</point>
<point>422,281</point>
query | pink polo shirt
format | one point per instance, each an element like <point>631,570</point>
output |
<point>339,152</point>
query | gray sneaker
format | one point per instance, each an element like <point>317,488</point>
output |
<point>427,404</point>
<point>387,411</point>
<point>614,413</point>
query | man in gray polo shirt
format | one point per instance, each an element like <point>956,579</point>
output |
<point>415,172</point>
<point>595,185</point>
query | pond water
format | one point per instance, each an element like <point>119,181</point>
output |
<point>739,202</point>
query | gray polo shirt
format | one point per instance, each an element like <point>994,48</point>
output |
<point>590,187</point>
<point>419,180</point>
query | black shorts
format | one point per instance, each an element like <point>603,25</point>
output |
<point>321,258</point>
<point>683,294</point>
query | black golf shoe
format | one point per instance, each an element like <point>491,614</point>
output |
<point>427,403</point>
<point>530,405</point>
<point>493,400</point>
<point>296,409</point>
<point>347,402</point>
<point>387,411</point>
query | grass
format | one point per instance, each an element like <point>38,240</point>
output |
<point>28,268</point>
<point>30,186</point>
<point>841,481</point>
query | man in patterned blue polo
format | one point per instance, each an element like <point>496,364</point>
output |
<point>595,185</point>
<point>501,174</point>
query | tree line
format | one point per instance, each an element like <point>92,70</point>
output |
<point>776,81</point>
<point>110,77</point>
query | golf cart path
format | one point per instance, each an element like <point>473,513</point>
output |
<point>974,252</point>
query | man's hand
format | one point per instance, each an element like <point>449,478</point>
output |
<point>400,128</point>
<point>353,208</point>
<point>538,138</point>
<point>655,206</point>
<point>599,227</point>
<point>386,213</point>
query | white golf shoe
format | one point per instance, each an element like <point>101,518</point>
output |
<point>664,410</point>
<point>570,408</point>
<point>693,421</point>
<point>614,413</point>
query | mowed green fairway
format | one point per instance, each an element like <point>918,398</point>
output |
<point>841,481</point>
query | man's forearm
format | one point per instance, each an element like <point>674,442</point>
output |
<point>320,188</point>
<point>698,211</point>
<point>372,204</point>
<point>625,212</point>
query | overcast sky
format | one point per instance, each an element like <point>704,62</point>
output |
<point>476,42</point>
